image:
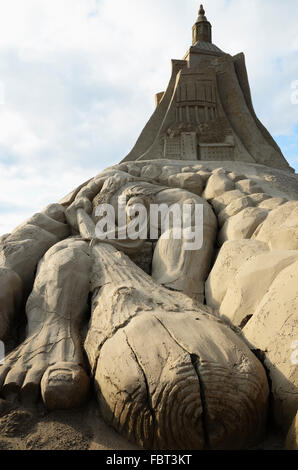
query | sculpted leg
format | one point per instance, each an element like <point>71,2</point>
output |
<point>51,356</point>
<point>10,299</point>
<point>174,265</point>
<point>25,246</point>
<point>20,253</point>
<point>167,374</point>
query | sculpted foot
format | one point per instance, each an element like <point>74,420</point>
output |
<point>168,375</point>
<point>50,360</point>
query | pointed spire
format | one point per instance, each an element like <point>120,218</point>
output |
<point>202,16</point>
<point>202,28</point>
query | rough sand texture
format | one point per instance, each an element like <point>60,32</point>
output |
<point>82,429</point>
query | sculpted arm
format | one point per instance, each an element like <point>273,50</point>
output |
<point>83,201</point>
<point>79,213</point>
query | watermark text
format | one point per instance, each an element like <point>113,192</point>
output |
<point>135,221</point>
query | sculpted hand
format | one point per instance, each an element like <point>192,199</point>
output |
<point>72,211</point>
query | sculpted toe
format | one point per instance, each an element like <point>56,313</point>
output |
<point>64,385</point>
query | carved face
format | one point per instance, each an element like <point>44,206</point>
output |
<point>132,206</point>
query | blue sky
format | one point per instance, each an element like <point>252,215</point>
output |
<point>78,79</point>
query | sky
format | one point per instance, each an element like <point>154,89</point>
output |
<point>78,79</point>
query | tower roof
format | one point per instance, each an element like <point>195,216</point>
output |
<point>206,113</point>
<point>202,28</point>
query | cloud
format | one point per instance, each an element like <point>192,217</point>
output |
<point>79,78</point>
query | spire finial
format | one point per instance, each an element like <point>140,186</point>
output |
<point>201,10</point>
<point>202,16</point>
<point>202,28</point>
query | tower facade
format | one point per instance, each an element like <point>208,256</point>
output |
<point>206,113</point>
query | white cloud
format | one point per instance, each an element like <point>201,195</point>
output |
<point>80,77</point>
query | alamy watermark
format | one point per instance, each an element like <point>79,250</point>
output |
<point>137,222</point>
<point>294,94</point>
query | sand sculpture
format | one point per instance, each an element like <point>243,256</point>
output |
<point>184,349</point>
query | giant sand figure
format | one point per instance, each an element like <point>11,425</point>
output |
<point>155,328</point>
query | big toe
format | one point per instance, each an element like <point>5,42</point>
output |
<point>64,385</point>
